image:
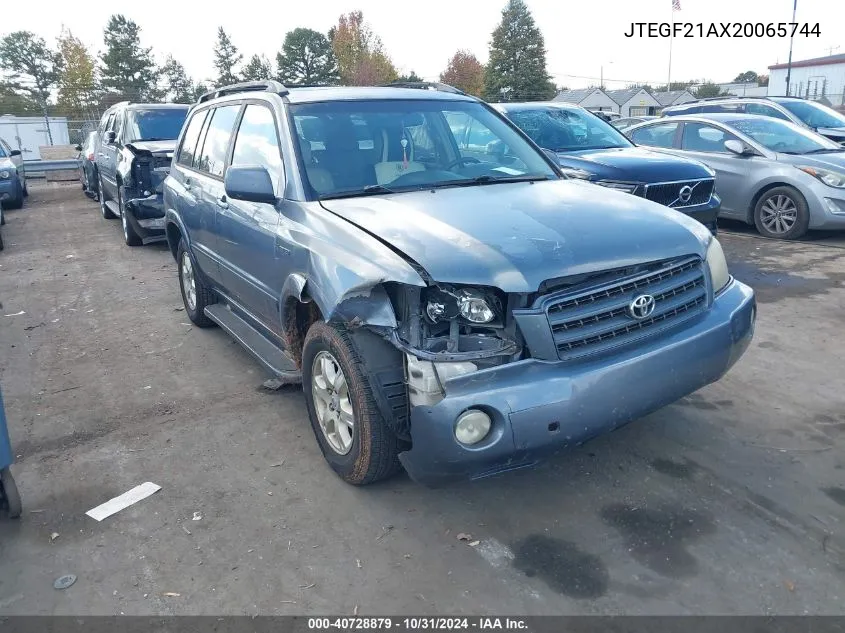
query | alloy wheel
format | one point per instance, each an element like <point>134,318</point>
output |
<point>189,286</point>
<point>332,403</point>
<point>779,214</point>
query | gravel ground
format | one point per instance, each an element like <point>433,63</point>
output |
<point>731,501</point>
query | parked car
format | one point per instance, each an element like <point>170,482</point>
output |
<point>606,115</point>
<point>780,177</point>
<point>88,165</point>
<point>13,187</point>
<point>456,312</point>
<point>134,144</point>
<point>809,114</point>
<point>623,124</point>
<point>591,149</point>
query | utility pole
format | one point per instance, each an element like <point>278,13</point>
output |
<point>789,63</point>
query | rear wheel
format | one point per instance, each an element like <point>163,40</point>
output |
<point>9,495</point>
<point>353,436</point>
<point>195,294</point>
<point>781,213</point>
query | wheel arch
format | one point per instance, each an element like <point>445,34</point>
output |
<point>749,218</point>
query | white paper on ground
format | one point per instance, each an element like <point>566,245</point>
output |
<point>125,500</point>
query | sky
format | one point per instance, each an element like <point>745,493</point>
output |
<point>584,38</point>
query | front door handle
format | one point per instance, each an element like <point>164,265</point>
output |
<point>222,202</point>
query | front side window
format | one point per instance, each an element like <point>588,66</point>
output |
<point>188,149</point>
<point>3,153</point>
<point>257,142</point>
<point>815,114</point>
<point>700,137</point>
<point>212,158</point>
<point>566,130</point>
<point>153,124</point>
<point>787,138</point>
<point>765,110</point>
<point>659,135</point>
<point>417,144</point>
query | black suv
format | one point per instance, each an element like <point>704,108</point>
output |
<point>134,145</point>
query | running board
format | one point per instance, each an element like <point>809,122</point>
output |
<point>112,206</point>
<point>270,355</point>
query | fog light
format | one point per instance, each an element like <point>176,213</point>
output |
<point>472,426</point>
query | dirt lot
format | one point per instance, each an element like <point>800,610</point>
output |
<point>731,501</point>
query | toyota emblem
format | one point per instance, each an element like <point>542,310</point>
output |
<point>641,307</point>
<point>685,194</point>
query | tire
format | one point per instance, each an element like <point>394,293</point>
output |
<point>104,210</point>
<point>129,235</point>
<point>17,203</point>
<point>2,216</point>
<point>25,189</point>
<point>11,497</point>
<point>373,453</point>
<point>1,242</point>
<point>202,294</point>
<point>782,214</point>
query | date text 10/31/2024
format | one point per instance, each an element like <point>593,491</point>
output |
<point>416,623</point>
<point>723,29</point>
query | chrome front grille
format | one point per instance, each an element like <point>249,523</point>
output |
<point>594,319</point>
<point>674,194</point>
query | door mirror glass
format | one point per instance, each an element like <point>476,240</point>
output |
<point>249,183</point>
<point>110,136</point>
<point>15,152</point>
<point>736,147</point>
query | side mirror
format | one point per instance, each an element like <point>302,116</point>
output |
<point>738,148</point>
<point>249,183</point>
<point>15,152</point>
<point>111,135</point>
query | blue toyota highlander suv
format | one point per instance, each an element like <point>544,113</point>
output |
<point>454,311</point>
<point>589,148</point>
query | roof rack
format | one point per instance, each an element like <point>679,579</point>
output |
<point>425,85</point>
<point>246,86</point>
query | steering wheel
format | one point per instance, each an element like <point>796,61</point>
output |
<point>461,161</point>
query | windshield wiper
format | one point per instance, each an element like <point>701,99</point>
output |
<point>369,190</point>
<point>487,179</point>
<point>826,150</point>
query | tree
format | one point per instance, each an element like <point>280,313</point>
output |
<point>360,54</point>
<point>709,89</point>
<point>762,80</point>
<point>13,100</point>
<point>226,59</point>
<point>748,77</point>
<point>675,85</point>
<point>127,68</point>
<point>517,67</point>
<point>76,97</point>
<point>307,59</point>
<point>465,72</point>
<point>411,77</point>
<point>257,68</point>
<point>200,88</point>
<point>178,85</point>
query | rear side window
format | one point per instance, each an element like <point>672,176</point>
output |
<point>764,110</point>
<point>216,143</point>
<point>188,149</point>
<point>257,142</point>
<point>660,135</point>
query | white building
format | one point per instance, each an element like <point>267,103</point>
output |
<point>589,98</point>
<point>28,133</point>
<point>634,102</point>
<point>744,89</point>
<point>821,78</point>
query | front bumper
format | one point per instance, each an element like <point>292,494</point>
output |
<point>146,215</point>
<point>707,213</point>
<point>541,407</point>
<point>827,207</point>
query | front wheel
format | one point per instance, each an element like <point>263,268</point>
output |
<point>129,235</point>
<point>17,202</point>
<point>781,213</point>
<point>353,436</point>
<point>195,294</point>
<point>9,494</point>
<point>104,210</point>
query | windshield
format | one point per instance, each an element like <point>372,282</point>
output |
<point>814,114</point>
<point>565,130</point>
<point>352,148</point>
<point>161,124</point>
<point>782,136</point>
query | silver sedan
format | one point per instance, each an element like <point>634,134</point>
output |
<point>771,173</point>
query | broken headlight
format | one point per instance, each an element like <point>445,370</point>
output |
<point>471,304</point>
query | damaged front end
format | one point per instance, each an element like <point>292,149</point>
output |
<point>143,172</point>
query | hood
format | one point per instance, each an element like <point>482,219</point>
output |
<point>835,160</point>
<point>634,164</point>
<point>154,147</point>
<point>514,236</point>
<point>833,133</point>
